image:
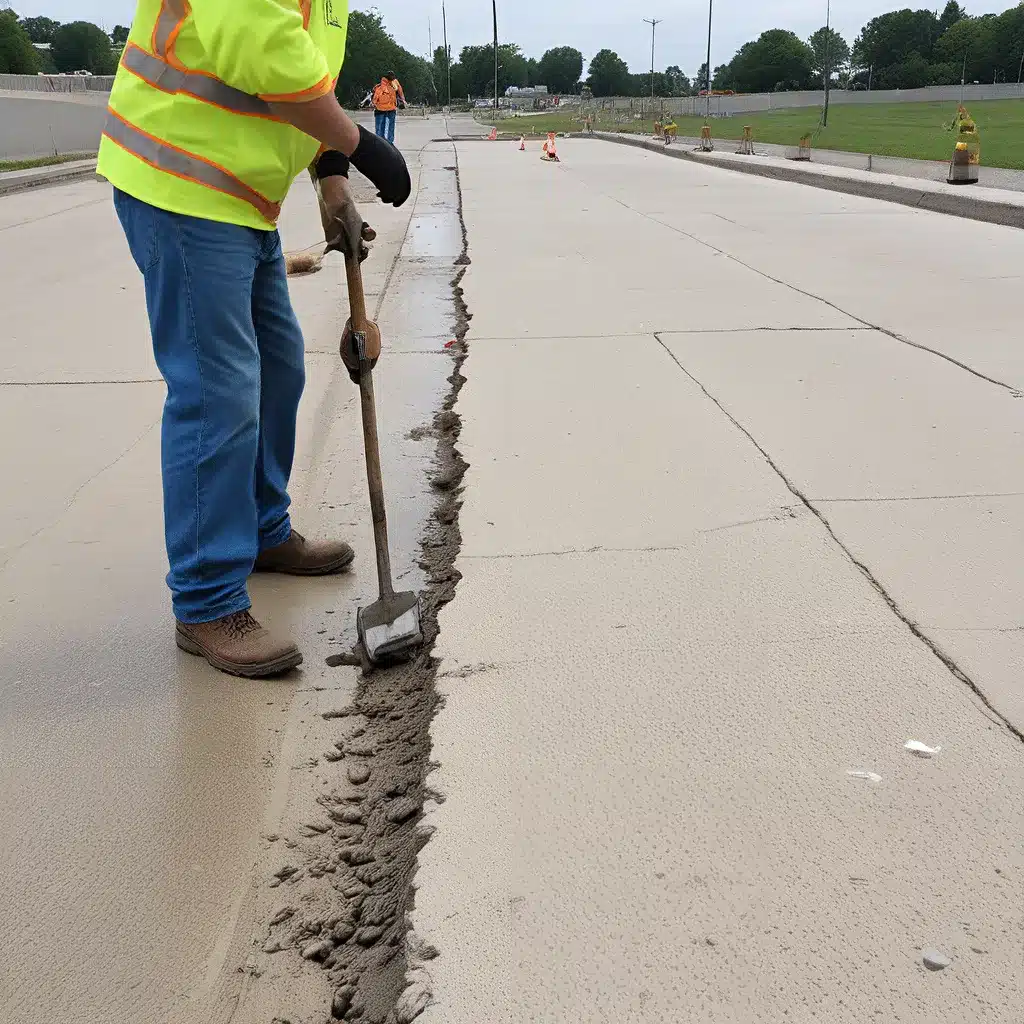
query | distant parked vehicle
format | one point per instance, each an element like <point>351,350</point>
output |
<point>83,73</point>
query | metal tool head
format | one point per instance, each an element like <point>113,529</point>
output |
<point>390,629</point>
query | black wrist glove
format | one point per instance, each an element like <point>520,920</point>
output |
<point>384,166</point>
<point>332,163</point>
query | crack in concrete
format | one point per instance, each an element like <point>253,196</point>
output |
<point>915,629</point>
<point>818,298</point>
<point>919,497</point>
<point>352,920</point>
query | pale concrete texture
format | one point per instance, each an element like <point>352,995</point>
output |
<point>689,603</point>
<point>39,125</point>
<point>142,793</point>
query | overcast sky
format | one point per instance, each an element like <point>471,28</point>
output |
<point>589,25</point>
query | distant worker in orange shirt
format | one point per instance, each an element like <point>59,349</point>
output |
<point>386,97</point>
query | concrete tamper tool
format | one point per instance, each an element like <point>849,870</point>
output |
<point>390,630</point>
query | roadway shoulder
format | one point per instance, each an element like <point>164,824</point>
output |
<point>994,206</point>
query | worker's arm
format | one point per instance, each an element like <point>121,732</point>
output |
<point>324,120</point>
<point>401,92</point>
<point>376,158</point>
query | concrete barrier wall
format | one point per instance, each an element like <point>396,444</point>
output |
<point>41,125</point>
<point>54,83</point>
<point>722,106</point>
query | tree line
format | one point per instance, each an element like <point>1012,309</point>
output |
<point>77,46</point>
<point>903,49</point>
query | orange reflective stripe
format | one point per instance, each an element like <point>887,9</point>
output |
<point>306,6</point>
<point>182,164</point>
<point>168,24</point>
<point>322,88</point>
<point>197,84</point>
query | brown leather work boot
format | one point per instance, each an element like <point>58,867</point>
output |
<point>240,646</point>
<point>300,557</point>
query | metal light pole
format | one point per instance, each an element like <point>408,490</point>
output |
<point>1020,74</point>
<point>963,79</point>
<point>447,53</point>
<point>828,67</point>
<point>494,8</point>
<point>654,23</point>
<point>711,5</point>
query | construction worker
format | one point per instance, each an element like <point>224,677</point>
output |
<point>216,108</point>
<point>386,97</point>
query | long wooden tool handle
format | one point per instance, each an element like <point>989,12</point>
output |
<point>371,441</point>
<point>356,295</point>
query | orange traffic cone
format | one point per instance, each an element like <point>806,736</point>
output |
<point>550,152</point>
<point>522,143</point>
<point>493,137</point>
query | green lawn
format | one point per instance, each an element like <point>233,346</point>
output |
<point>899,129</point>
<point>41,161</point>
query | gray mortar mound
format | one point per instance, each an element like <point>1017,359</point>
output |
<point>356,926</point>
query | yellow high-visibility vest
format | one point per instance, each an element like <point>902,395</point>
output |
<point>189,128</point>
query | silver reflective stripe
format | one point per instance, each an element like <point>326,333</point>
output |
<point>185,165</point>
<point>172,14</point>
<point>161,75</point>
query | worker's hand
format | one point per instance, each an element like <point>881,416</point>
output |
<point>384,166</point>
<point>344,226</point>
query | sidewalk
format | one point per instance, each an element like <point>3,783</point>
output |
<point>727,538</point>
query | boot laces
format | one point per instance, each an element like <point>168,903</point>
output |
<point>240,625</point>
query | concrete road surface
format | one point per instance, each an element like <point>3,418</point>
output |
<point>147,802</point>
<point>742,516</point>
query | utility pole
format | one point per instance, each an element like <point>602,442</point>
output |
<point>447,53</point>
<point>1020,74</point>
<point>963,79</point>
<point>871,72</point>
<point>654,23</point>
<point>828,65</point>
<point>494,8</point>
<point>711,5</point>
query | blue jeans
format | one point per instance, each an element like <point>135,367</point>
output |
<point>385,124</point>
<point>231,352</point>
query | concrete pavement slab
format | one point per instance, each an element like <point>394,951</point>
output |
<point>644,754</point>
<point>904,271</point>
<point>655,821</point>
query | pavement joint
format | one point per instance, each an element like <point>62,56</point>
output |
<point>918,631</point>
<point>74,383</point>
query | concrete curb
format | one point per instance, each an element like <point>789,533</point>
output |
<point>960,203</point>
<point>38,177</point>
